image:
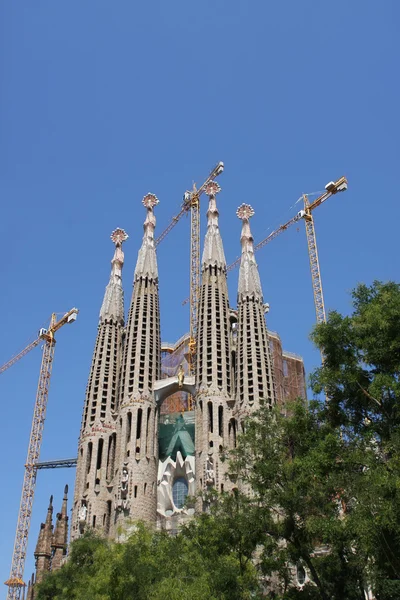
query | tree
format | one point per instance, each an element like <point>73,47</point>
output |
<point>295,468</point>
<point>196,564</point>
<point>361,376</point>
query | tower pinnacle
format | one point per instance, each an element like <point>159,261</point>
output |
<point>146,263</point>
<point>138,453</point>
<point>254,379</point>
<point>249,279</point>
<point>60,536</point>
<point>113,303</point>
<point>213,253</point>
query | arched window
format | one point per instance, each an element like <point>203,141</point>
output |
<point>301,574</point>
<point>179,491</point>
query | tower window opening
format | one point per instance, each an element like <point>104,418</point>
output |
<point>139,424</point>
<point>89,456</point>
<point>210,417</point>
<point>128,427</point>
<point>100,453</point>
<point>147,429</point>
<point>220,421</point>
<point>180,492</point>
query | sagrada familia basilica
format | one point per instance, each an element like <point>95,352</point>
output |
<point>152,432</point>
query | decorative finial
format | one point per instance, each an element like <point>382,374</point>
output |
<point>245,212</point>
<point>212,188</point>
<point>150,200</point>
<point>65,491</point>
<point>119,236</point>
<point>51,501</point>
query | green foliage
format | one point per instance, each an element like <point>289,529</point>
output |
<point>362,362</point>
<point>192,565</point>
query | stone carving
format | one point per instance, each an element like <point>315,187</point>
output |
<point>83,513</point>
<point>210,476</point>
<point>181,376</point>
<point>124,482</point>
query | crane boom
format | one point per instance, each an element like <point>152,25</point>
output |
<point>172,224</point>
<point>18,356</point>
<point>187,202</point>
<point>331,188</point>
<point>15,583</point>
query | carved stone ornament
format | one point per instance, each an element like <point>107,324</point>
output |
<point>150,200</point>
<point>212,188</point>
<point>119,236</point>
<point>245,212</point>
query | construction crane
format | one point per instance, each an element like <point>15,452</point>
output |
<point>191,201</point>
<point>333,187</point>
<point>15,582</point>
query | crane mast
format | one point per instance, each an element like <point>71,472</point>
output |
<point>15,583</point>
<point>191,201</point>
<point>194,273</point>
<point>314,263</point>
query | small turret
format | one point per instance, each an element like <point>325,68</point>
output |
<point>60,537</point>
<point>43,546</point>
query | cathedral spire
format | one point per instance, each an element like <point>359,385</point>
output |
<point>254,377</point>
<point>137,423</point>
<point>97,442</point>
<point>215,389</point>
<point>213,253</point>
<point>43,546</point>
<point>60,537</point>
<point>113,302</point>
<point>249,278</point>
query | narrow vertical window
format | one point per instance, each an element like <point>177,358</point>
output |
<point>138,430</point>
<point>108,519</point>
<point>210,417</point>
<point>89,457</point>
<point>139,424</point>
<point>128,427</point>
<point>99,453</point>
<point>221,421</point>
<point>147,430</point>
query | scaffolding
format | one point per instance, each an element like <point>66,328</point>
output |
<point>172,357</point>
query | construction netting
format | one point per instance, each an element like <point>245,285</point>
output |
<point>172,357</point>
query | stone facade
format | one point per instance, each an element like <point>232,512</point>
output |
<point>119,476</point>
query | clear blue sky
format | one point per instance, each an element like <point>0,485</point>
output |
<point>102,102</point>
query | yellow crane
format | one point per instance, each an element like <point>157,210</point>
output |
<point>15,582</point>
<point>333,187</point>
<point>191,201</point>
